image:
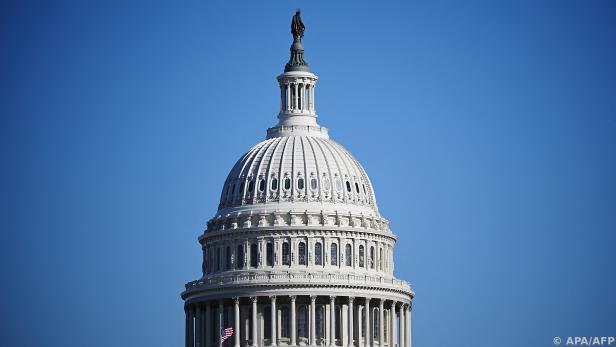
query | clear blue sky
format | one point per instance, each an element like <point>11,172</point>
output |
<point>487,127</point>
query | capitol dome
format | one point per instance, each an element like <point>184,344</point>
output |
<point>297,253</point>
<point>298,172</point>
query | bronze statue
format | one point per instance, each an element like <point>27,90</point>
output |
<point>297,26</point>
<point>296,61</point>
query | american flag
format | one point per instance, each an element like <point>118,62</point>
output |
<point>225,333</point>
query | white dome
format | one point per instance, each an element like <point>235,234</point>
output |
<point>298,173</point>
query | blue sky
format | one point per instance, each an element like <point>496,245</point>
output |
<point>488,129</point>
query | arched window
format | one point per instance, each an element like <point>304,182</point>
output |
<point>267,322</point>
<point>348,185</point>
<point>334,254</point>
<point>301,249</point>
<point>314,184</point>
<point>320,326</point>
<point>287,183</point>
<point>286,254</point>
<point>357,187</point>
<point>218,260</point>
<point>318,254</point>
<point>302,322</point>
<point>348,255</point>
<point>375,323</point>
<point>254,255</point>
<point>270,254</point>
<point>284,322</point>
<point>300,184</point>
<point>361,256</point>
<point>338,322</point>
<point>240,257</point>
<point>372,257</point>
<point>228,258</point>
<point>274,183</point>
<point>261,185</point>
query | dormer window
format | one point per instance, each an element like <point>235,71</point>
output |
<point>348,185</point>
<point>287,183</point>
<point>326,183</point>
<point>313,184</point>
<point>300,184</point>
<point>261,185</point>
<point>274,184</point>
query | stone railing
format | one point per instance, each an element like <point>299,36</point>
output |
<point>299,278</point>
<point>276,219</point>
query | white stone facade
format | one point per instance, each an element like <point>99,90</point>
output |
<point>298,253</point>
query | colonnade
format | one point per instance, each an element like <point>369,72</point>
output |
<point>297,97</point>
<point>305,320</point>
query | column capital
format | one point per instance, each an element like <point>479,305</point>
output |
<point>273,298</point>
<point>236,300</point>
<point>351,299</point>
<point>253,299</point>
<point>367,299</point>
<point>313,298</point>
<point>332,298</point>
<point>293,298</point>
<point>381,303</point>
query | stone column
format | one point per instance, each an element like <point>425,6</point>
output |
<point>332,321</point>
<point>302,96</point>
<point>236,316</point>
<point>312,98</point>
<point>402,324</point>
<point>351,321</point>
<point>187,327</point>
<point>408,326</point>
<point>254,320</point>
<point>313,328</point>
<point>367,323</point>
<point>198,335</point>
<point>392,324</point>
<point>221,317</point>
<point>296,85</point>
<point>273,321</point>
<point>293,323</point>
<point>381,325</point>
<point>287,93</point>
